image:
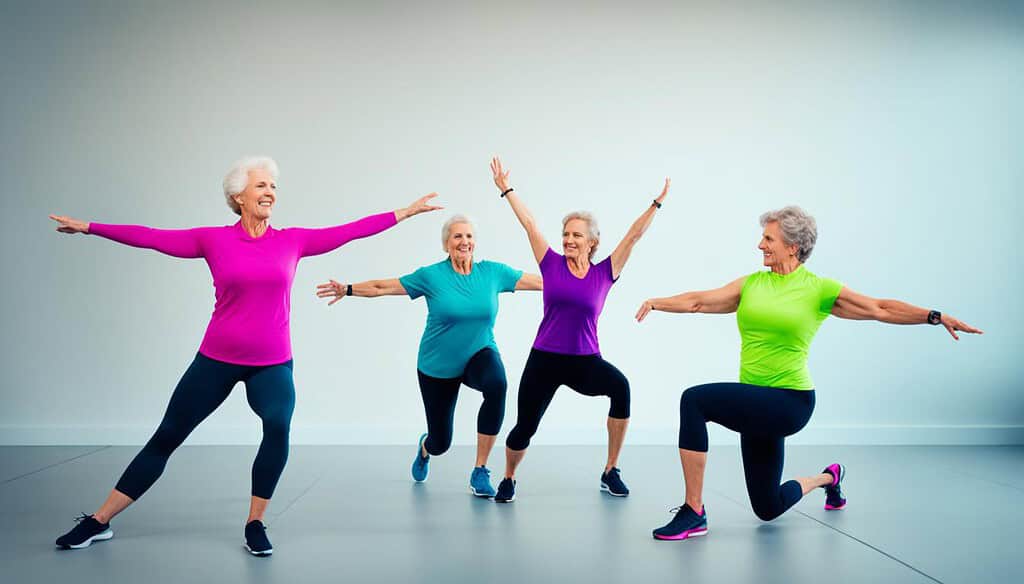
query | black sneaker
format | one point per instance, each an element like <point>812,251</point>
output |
<point>684,525</point>
<point>506,491</point>
<point>256,539</point>
<point>82,535</point>
<point>834,499</point>
<point>611,483</point>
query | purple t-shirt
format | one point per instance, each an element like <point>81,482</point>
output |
<point>572,306</point>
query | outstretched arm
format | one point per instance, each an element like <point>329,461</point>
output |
<point>180,243</point>
<point>855,306</point>
<point>369,289</point>
<point>621,254</point>
<point>718,301</point>
<point>537,241</point>
<point>319,241</point>
<point>530,282</point>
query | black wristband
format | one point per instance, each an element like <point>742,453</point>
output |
<point>934,317</point>
<point>348,290</point>
<point>507,191</point>
<point>655,203</point>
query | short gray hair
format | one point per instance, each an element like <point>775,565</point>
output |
<point>446,229</point>
<point>237,178</point>
<point>593,232</point>
<point>798,228</point>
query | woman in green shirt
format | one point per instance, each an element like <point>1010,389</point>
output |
<point>457,347</point>
<point>778,313</point>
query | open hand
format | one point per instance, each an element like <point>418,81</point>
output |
<point>69,225</point>
<point>500,174</point>
<point>331,289</point>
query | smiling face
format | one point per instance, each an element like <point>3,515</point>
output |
<point>576,242</point>
<point>774,248</point>
<point>260,194</point>
<point>461,242</point>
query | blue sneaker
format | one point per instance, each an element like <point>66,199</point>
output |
<point>506,491</point>
<point>421,464</point>
<point>686,524</point>
<point>611,483</point>
<point>480,482</point>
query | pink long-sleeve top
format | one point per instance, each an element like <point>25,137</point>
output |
<point>252,278</point>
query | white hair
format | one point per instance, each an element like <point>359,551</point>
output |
<point>237,178</point>
<point>446,229</point>
<point>798,228</point>
<point>593,232</point>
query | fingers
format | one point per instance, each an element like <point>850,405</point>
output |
<point>664,191</point>
<point>952,331</point>
<point>645,309</point>
<point>331,303</point>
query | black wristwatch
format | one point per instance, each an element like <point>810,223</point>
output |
<point>934,317</point>
<point>348,290</point>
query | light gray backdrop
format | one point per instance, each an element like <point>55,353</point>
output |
<point>898,125</point>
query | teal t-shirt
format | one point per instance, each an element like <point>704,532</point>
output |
<point>460,312</point>
<point>778,316</point>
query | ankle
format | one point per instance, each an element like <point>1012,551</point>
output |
<point>697,505</point>
<point>101,518</point>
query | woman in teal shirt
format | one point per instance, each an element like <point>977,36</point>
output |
<point>458,345</point>
<point>778,313</point>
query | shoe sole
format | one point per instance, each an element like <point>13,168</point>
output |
<point>479,494</point>
<point>104,536</point>
<point>608,490</point>
<point>509,500</point>
<point>834,507</point>
<point>255,553</point>
<point>698,532</point>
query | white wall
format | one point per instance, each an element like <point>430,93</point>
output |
<point>899,127</point>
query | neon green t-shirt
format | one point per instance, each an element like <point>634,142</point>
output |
<point>778,316</point>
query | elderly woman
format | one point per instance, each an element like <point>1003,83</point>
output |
<point>458,345</point>
<point>778,311</point>
<point>566,350</point>
<point>247,340</point>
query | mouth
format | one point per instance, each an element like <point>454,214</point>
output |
<point>266,203</point>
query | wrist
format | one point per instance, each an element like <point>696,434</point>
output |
<point>348,290</point>
<point>934,317</point>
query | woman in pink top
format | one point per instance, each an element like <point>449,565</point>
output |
<point>253,267</point>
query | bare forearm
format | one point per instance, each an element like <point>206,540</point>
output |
<point>680,303</point>
<point>370,288</point>
<point>897,312</point>
<point>640,226</point>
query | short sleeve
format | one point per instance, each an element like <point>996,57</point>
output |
<point>604,267</point>
<point>505,276</point>
<point>549,261</point>
<point>830,290</point>
<point>417,283</point>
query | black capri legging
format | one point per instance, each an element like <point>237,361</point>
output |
<point>763,416</point>
<point>204,386</point>
<point>485,373</point>
<point>545,372</point>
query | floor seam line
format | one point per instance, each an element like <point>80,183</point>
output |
<point>866,544</point>
<point>38,470</point>
<point>296,499</point>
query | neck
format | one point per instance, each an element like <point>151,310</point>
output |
<point>787,267</point>
<point>462,266</point>
<point>253,226</point>
<point>579,263</point>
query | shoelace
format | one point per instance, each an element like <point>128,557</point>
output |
<point>82,517</point>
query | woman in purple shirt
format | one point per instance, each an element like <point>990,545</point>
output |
<point>566,351</point>
<point>247,340</point>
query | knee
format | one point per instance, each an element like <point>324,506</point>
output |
<point>688,401</point>
<point>766,511</point>
<point>518,439</point>
<point>620,401</point>
<point>276,427</point>
<point>166,439</point>
<point>495,388</point>
<point>437,445</point>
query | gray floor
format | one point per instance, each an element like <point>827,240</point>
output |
<point>916,514</point>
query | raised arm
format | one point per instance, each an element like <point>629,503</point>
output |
<point>180,243</point>
<point>530,282</point>
<point>319,241</point>
<point>621,254</point>
<point>369,289</point>
<point>718,301</point>
<point>855,306</point>
<point>538,244</point>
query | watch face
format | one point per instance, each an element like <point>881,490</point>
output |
<point>934,317</point>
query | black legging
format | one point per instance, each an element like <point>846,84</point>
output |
<point>763,416</point>
<point>205,385</point>
<point>545,372</point>
<point>485,373</point>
